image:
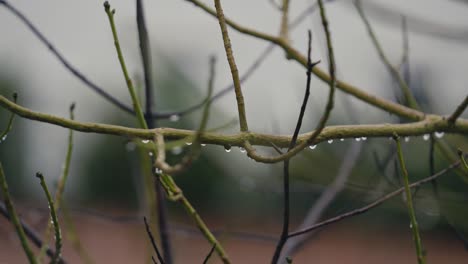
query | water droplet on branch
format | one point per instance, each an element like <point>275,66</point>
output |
<point>312,146</point>
<point>174,118</point>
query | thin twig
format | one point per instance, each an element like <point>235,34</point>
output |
<point>409,203</point>
<point>63,60</point>
<point>14,217</point>
<point>30,233</point>
<point>174,193</point>
<point>409,98</point>
<point>205,261</point>
<point>284,27</point>
<point>459,111</point>
<point>376,203</point>
<point>153,242</point>
<point>160,161</point>
<point>251,152</point>
<point>60,186</point>
<point>9,126</point>
<point>136,104</point>
<point>54,217</point>
<point>232,65</point>
<point>314,213</point>
<point>286,192</point>
<point>145,50</point>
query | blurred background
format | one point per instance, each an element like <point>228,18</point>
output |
<point>240,199</point>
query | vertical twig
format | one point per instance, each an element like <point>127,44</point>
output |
<point>53,214</point>
<point>462,160</point>
<point>284,28</point>
<point>4,134</point>
<point>460,109</point>
<point>232,64</point>
<point>286,193</point>
<point>146,60</point>
<point>153,242</point>
<point>60,187</point>
<point>409,203</point>
<point>136,104</point>
<point>205,261</point>
<point>14,217</point>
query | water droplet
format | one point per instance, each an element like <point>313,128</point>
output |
<point>410,225</point>
<point>407,139</point>
<point>188,143</point>
<point>130,146</point>
<point>341,139</point>
<point>358,139</point>
<point>3,138</point>
<point>439,134</point>
<point>145,141</point>
<point>150,153</point>
<point>203,145</point>
<point>242,150</point>
<point>312,146</point>
<point>227,148</point>
<point>426,136</point>
<point>330,141</point>
<point>174,118</point>
<point>176,150</point>
<point>364,138</point>
<point>157,171</point>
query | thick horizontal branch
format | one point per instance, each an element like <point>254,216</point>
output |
<point>430,124</point>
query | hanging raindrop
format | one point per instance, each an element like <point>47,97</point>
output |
<point>312,146</point>
<point>364,138</point>
<point>341,139</point>
<point>157,171</point>
<point>330,141</point>
<point>176,150</point>
<point>188,143</point>
<point>174,118</point>
<point>227,148</point>
<point>426,136</point>
<point>358,139</point>
<point>203,145</point>
<point>145,141</point>
<point>407,139</point>
<point>242,150</point>
<point>439,134</point>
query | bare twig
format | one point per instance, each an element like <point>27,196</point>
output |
<point>409,203</point>
<point>13,216</point>
<point>460,109</point>
<point>286,193</point>
<point>409,98</point>
<point>322,203</point>
<point>232,64</point>
<point>205,261</point>
<point>54,217</point>
<point>146,60</point>
<point>29,232</point>
<point>284,27</point>
<point>376,203</point>
<point>63,60</point>
<point>9,126</point>
<point>153,242</point>
<point>160,161</point>
<point>60,187</point>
